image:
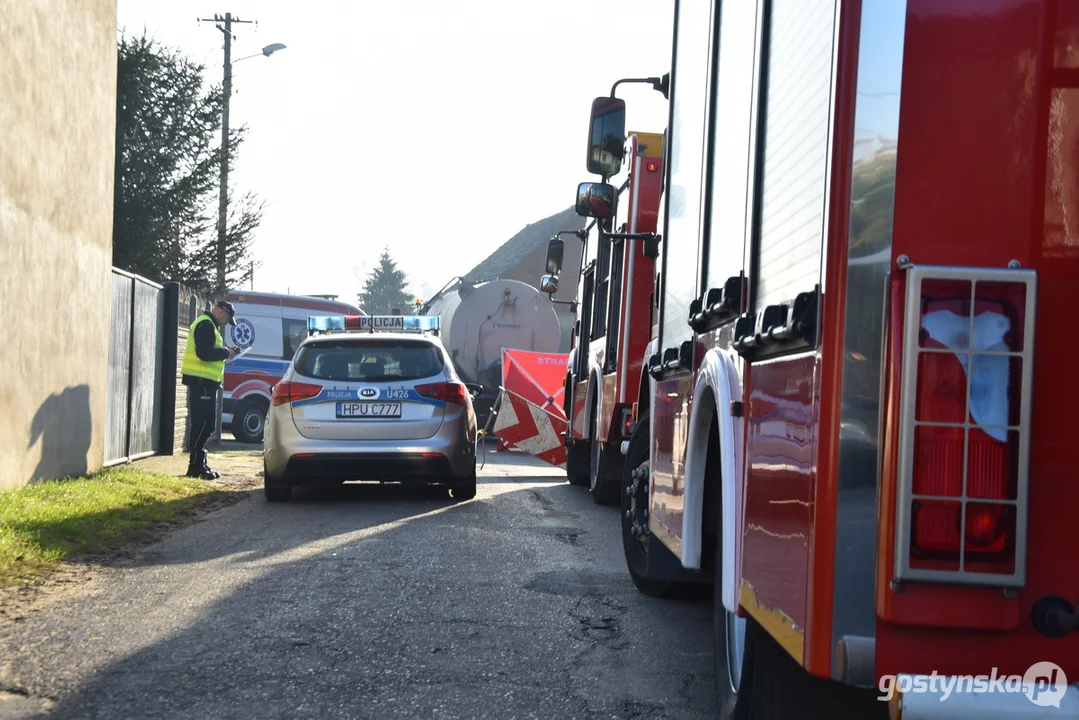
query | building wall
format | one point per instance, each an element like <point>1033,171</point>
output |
<point>57,142</point>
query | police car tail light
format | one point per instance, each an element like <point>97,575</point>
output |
<point>964,479</point>
<point>455,393</point>
<point>286,392</point>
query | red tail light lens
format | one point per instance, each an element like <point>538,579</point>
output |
<point>287,392</point>
<point>965,440</point>
<point>455,393</point>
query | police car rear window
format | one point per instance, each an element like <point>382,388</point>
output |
<point>369,360</point>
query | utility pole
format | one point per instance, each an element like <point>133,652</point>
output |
<point>224,24</point>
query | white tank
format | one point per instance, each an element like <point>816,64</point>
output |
<point>477,321</point>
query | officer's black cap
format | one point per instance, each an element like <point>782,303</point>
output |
<point>227,307</point>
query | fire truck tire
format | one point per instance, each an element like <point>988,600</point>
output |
<point>579,480</point>
<point>634,490</point>
<point>773,685</point>
<point>249,421</point>
<point>604,490</point>
<point>730,652</point>
<point>584,480</point>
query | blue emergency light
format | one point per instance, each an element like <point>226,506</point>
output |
<point>372,323</point>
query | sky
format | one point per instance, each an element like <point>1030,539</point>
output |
<point>436,129</point>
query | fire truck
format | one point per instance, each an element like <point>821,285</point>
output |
<point>613,321</point>
<point>853,418</point>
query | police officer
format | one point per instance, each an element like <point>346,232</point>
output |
<point>202,372</point>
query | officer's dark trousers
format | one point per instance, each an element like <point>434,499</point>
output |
<point>202,411</point>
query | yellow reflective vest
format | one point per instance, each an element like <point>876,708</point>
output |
<point>193,365</point>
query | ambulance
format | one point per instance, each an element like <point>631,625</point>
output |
<point>269,327</point>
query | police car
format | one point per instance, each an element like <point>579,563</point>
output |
<point>371,398</point>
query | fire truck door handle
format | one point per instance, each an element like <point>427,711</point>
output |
<point>717,306</point>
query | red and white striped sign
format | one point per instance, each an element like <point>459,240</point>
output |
<point>530,416</point>
<point>527,427</point>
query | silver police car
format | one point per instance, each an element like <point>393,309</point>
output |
<point>371,398</point>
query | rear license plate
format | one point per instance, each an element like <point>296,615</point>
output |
<point>368,410</point>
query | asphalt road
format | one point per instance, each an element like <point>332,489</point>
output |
<point>371,602</point>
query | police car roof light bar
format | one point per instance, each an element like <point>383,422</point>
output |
<point>325,324</point>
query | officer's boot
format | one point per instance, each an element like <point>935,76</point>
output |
<point>194,466</point>
<point>207,473</point>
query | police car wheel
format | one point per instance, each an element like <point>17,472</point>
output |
<point>249,422</point>
<point>275,489</point>
<point>277,493</point>
<point>467,491</point>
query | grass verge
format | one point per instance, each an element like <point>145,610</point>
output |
<point>49,522</point>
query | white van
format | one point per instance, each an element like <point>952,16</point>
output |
<point>272,325</point>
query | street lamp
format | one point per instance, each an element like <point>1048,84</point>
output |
<point>267,51</point>
<point>224,24</point>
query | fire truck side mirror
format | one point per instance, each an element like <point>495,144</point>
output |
<point>606,136</point>
<point>596,200</point>
<point>555,250</point>
<point>549,284</point>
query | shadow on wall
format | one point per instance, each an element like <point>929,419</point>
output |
<point>63,425</point>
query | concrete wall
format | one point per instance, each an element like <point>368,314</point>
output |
<point>57,143</point>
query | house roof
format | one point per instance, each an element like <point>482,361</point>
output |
<point>533,237</point>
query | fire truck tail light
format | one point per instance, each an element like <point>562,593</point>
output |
<point>963,501</point>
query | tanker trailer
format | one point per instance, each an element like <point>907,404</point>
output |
<point>478,320</point>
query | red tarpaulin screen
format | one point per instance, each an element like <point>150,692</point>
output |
<point>537,377</point>
<point>530,416</point>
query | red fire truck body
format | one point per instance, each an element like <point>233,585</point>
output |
<point>614,323</point>
<point>855,421</point>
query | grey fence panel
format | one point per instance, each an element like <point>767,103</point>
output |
<point>147,341</point>
<point>119,376</point>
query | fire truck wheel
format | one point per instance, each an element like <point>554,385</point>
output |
<point>729,651</point>
<point>249,421</point>
<point>634,491</point>
<point>603,490</point>
<point>578,480</point>
<point>775,686</point>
